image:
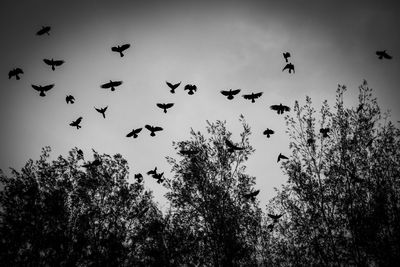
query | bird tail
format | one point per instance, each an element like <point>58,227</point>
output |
<point>121,54</point>
<point>17,77</point>
<point>152,134</point>
<point>42,93</point>
<point>165,110</point>
<point>53,68</point>
<point>104,115</point>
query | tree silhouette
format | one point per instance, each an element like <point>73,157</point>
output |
<point>61,214</point>
<point>341,204</point>
<point>208,208</point>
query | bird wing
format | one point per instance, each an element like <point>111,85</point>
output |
<point>386,55</point>
<point>18,71</point>
<point>148,127</point>
<point>58,62</point>
<point>286,108</point>
<point>169,105</point>
<point>78,120</point>
<point>47,87</point>
<point>116,83</point>
<point>161,105</point>
<point>98,110</point>
<point>235,92</point>
<point>37,88</point>
<point>137,130</point>
<point>226,93</point>
<point>157,128</point>
<point>106,85</point>
<point>274,107</point>
<point>283,157</point>
<point>130,134</point>
<point>125,46</point>
<point>115,49</point>
<point>173,86</point>
<point>48,61</point>
<point>247,96</point>
<point>190,87</point>
<point>257,95</point>
<point>268,131</point>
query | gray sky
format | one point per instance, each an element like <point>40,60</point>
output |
<point>229,44</point>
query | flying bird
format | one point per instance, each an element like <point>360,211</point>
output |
<point>280,109</point>
<point>120,49</point>
<point>139,177</point>
<point>152,172</point>
<point>231,146</point>
<point>134,133</point>
<point>275,217</point>
<point>42,89</point>
<point>281,157</point>
<point>111,84</point>
<point>53,63</point>
<point>324,132</point>
<point>76,123</point>
<point>165,106</point>
<point>251,195</point>
<point>44,30</point>
<point>173,86</point>
<point>159,177</point>
<point>286,55</point>
<point>230,93</point>
<point>383,54</point>
<point>102,111</point>
<point>289,67</point>
<point>15,72</point>
<point>268,132</point>
<point>70,99</point>
<point>153,129</point>
<point>252,96</point>
<point>191,87</point>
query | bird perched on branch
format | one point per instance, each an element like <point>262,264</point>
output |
<point>324,132</point>
<point>120,49</point>
<point>102,111</point>
<point>252,195</point>
<point>70,99</point>
<point>232,147</point>
<point>281,157</point>
<point>383,54</point>
<point>53,63</point>
<point>286,55</point>
<point>280,109</point>
<point>252,96</point>
<point>134,133</point>
<point>153,129</point>
<point>289,67</point>
<point>173,86</point>
<point>15,72</point>
<point>44,30</point>
<point>165,106</point>
<point>230,93</point>
<point>111,84</point>
<point>268,132</point>
<point>191,87</point>
<point>76,123</point>
<point>42,89</point>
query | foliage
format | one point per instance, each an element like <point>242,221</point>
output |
<point>342,199</point>
<point>64,214</point>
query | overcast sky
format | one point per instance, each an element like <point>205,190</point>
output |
<point>217,46</point>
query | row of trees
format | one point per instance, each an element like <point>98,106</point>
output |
<point>340,205</point>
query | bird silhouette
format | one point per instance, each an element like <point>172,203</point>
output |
<point>251,195</point>
<point>53,63</point>
<point>158,177</point>
<point>76,123</point>
<point>281,157</point>
<point>153,129</point>
<point>42,89</point>
<point>286,55</point>
<point>139,177</point>
<point>268,132</point>
<point>173,86</point>
<point>152,172</point>
<point>15,72</point>
<point>165,106</point>
<point>232,147</point>
<point>120,49</point>
<point>111,84</point>
<point>70,99</point>
<point>252,96</point>
<point>324,132</point>
<point>280,109</point>
<point>134,133</point>
<point>44,30</point>
<point>191,87</point>
<point>289,67</point>
<point>230,93</point>
<point>383,54</point>
<point>102,111</point>
<point>275,217</point>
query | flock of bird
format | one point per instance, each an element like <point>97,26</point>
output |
<point>191,88</point>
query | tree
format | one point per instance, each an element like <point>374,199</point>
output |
<point>212,222</point>
<point>69,212</point>
<point>341,203</point>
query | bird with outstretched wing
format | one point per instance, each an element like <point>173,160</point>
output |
<point>102,111</point>
<point>268,132</point>
<point>173,86</point>
<point>134,133</point>
<point>42,89</point>
<point>153,129</point>
<point>280,109</point>
<point>165,106</point>
<point>70,99</point>
<point>252,96</point>
<point>120,49</point>
<point>191,87</point>
<point>289,67</point>
<point>53,63</point>
<point>383,54</point>
<point>15,72</point>
<point>44,30</point>
<point>232,147</point>
<point>229,94</point>
<point>111,85</point>
<point>280,156</point>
